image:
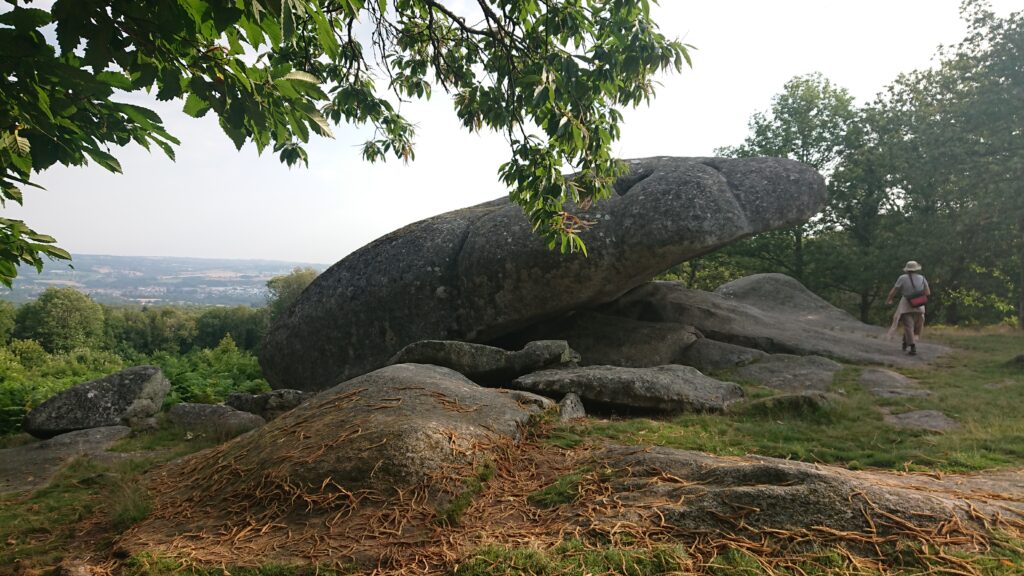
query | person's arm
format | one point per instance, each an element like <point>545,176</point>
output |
<point>897,288</point>
<point>892,294</point>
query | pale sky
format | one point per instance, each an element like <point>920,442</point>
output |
<point>219,203</point>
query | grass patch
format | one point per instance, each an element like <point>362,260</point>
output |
<point>565,490</point>
<point>452,513</point>
<point>131,503</point>
<point>168,441</point>
<point>563,438</point>
<point>973,385</point>
<point>148,565</point>
<point>573,558</point>
<point>15,440</point>
<point>37,530</point>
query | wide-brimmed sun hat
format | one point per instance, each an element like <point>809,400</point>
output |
<point>912,266</point>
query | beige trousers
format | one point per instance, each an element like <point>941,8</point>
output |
<point>913,323</point>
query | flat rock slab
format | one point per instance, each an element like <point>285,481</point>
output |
<point>790,373</point>
<point>932,420</point>
<point>709,355</point>
<point>603,340</point>
<point>668,389</point>
<point>488,365</point>
<point>888,384</point>
<point>701,493</point>
<point>479,273</point>
<point>769,312</point>
<point>132,394</point>
<point>216,419</point>
<point>31,466</point>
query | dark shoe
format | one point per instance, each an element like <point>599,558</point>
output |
<point>913,350</point>
<point>904,345</point>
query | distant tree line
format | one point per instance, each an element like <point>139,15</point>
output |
<point>63,319</point>
<point>64,338</point>
<point>932,170</point>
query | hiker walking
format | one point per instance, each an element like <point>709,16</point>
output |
<point>914,291</point>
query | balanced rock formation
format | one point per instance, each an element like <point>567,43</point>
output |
<point>132,394</point>
<point>668,389</point>
<point>488,365</point>
<point>481,272</point>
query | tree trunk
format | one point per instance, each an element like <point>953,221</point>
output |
<point>865,307</point>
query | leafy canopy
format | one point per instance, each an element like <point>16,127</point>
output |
<point>284,290</point>
<point>550,75</point>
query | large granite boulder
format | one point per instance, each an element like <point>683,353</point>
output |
<point>488,365</point>
<point>132,394</point>
<point>769,312</point>
<point>667,389</point>
<point>481,272</point>
<point>398,443</point>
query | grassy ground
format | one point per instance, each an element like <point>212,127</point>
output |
<point>86,505</point>
<point>90,502</point>
<point>977,385</point>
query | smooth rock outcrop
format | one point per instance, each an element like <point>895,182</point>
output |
<point>790,373</point>
<point>479,273</point>
<point>216,419</point>
<point>769,312</point>
<point>669,389</point>
<point>488,365</point>
<point>132,394</point>
<point>750,495</point>
<point>931,420</point>
<point>888,384</point>
<point>32,466</point>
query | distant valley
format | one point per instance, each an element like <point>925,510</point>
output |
<point>156,280</point>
